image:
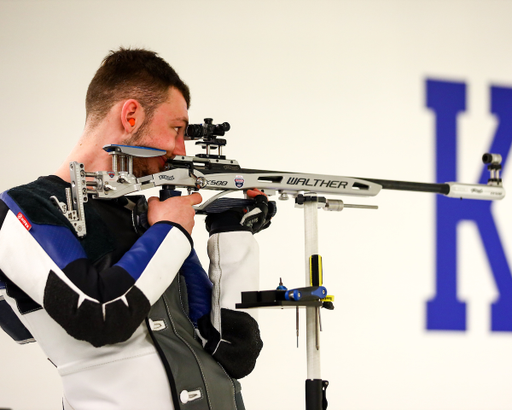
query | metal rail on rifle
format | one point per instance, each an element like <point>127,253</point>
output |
<point>215,172</point>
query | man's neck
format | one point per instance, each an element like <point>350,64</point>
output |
<point>88,151</point>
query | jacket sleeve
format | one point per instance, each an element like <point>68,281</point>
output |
<point>232,336</point>
<point>10,323</point>
<point>234,268</point>
<point>48,264</point>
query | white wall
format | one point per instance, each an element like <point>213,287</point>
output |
<point>333,87</point>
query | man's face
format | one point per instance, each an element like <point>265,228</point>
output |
<point>166,131</point>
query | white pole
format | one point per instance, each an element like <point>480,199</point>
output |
<point>312,325</point>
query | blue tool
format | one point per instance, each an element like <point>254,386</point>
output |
<point>308,293</point>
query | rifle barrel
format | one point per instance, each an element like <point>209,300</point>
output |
<point>411,186</point>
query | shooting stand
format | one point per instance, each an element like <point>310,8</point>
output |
<point>315,395</point>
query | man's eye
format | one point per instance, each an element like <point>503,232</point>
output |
<point>177,129</point>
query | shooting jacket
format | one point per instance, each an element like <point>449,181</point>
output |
<point>115,312</point>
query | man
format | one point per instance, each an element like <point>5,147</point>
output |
<point>118,314</point>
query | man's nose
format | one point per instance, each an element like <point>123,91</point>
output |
<point>180,149</point>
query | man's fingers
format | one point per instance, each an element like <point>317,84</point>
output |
<point>195,198</point>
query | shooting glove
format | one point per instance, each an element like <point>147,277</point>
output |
<point>253,218</point>
<point>237,346</point>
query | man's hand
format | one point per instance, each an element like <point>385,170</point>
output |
<point>177,209</point>
<point>237,345</point>
<point>254,218</point>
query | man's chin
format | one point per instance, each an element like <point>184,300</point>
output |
<point>140,171</point>
<point>142,168</point>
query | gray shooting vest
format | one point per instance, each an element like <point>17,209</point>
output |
<point>197,381</point>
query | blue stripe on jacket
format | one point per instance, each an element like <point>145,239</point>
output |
<point>58,242</point>
<point>137,258</point>
<point>199,287</point>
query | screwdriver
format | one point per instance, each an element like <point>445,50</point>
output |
<point>308,293</point>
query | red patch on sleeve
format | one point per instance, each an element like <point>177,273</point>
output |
<point>24,221</point>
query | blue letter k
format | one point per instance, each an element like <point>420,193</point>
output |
<point>445,311</point>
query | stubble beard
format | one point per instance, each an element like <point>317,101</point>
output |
<point>140,165</point>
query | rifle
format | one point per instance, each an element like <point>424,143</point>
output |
<point>213,171</point>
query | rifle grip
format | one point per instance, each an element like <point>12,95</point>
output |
<point>168,191</point>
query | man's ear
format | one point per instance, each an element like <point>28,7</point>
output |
<point>132,115</point>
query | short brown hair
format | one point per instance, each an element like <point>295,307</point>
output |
<point>131,73</point>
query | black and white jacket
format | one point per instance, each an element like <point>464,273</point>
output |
<point>86,301</point>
